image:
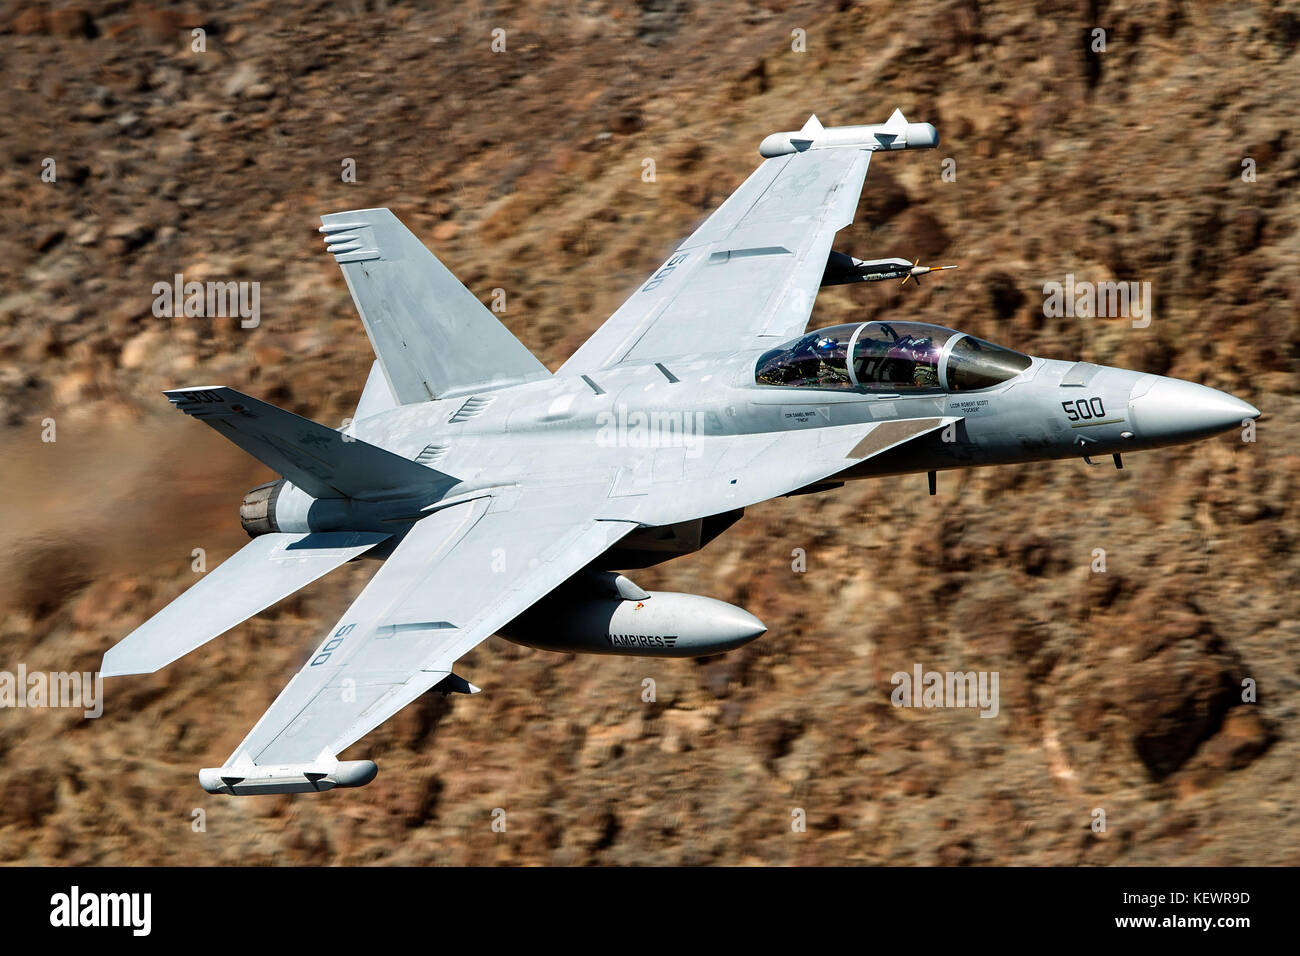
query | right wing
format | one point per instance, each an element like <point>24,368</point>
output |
<point>458,575</point>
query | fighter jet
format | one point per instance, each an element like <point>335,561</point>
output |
<point>505,498</point>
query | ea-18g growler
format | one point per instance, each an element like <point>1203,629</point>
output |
<point>505,498</point>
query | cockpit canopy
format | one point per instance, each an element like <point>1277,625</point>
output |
<point>889,357</point>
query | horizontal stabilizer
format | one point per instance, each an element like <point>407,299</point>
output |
<point>319,460</point>
<point>432,337</point>
<point>266,570</point>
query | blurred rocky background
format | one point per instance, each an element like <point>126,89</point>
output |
<point>523,171</point>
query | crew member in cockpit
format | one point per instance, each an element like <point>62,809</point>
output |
<point>814,361</point>
<point>803,362</point>
<point>921,355</point>
<point>831,371</point>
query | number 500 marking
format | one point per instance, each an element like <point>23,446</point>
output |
<point>333,645</point>
<point>1084,408</point>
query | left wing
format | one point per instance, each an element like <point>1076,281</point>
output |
<point>457,576</point>
<point>750,273</point>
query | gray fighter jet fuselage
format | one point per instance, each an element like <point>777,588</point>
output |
<point>980,405</point>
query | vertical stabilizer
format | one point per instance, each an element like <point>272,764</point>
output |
<point>432,337</point>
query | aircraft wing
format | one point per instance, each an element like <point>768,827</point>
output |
<point>749,275</point>
<point>455,578</point>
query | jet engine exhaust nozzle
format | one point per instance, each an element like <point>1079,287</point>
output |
<point>257,510</point>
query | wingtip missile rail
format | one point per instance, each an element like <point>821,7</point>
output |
<point>897,133</point>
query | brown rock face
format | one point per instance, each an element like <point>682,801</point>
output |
<point>1176,705</point>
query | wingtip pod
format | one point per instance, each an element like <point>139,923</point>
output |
<point>244,778</point>
<point>897,133</point>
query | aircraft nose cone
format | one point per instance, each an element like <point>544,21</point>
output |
<point>1171,411</point>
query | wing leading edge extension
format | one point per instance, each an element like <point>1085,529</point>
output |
<point>458,576</point>
<point>724,474</point>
